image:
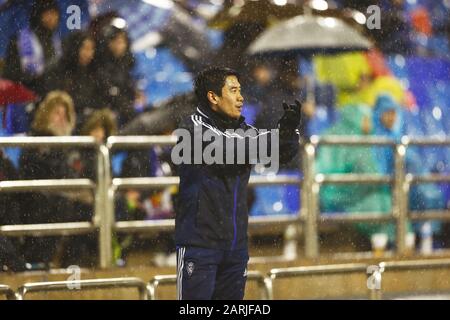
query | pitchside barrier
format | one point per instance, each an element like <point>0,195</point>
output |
<point>7,292</point>
<point>308,217</point>
<point>89,284</point>
<point>373,274</point>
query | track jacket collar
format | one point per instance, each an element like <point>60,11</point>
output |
<point>218,120</point>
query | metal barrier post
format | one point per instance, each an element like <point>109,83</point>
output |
<point>311,190</point>
<point>374,281</point>
<point>104,214</point>
<point>268,282</point>
<point>400,203</point>
<point>7,291</point>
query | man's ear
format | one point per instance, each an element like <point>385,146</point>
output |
<point>212,97</point>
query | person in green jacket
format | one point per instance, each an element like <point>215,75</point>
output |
<point>355,120</point>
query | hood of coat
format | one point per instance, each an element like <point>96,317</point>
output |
<point>384,104</point>
<point>42,122</point>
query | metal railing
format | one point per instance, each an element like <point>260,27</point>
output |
<point>333,269</point>
<point>8,292</point>
<point>309,216</point>
<point>171,279</point>
<point>411,265</point>
<point>119,184</point>
<point>81,285</point>
<point>98,188</point>
<point>400,181</point>
<point>373,273</point>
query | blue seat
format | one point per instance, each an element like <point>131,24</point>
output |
<point>166,75</point>
<point>17,119</point>
<point>413,128</point>
<point>440,95</point>
<point>446,120</point>
<point>439,46</point>
<point>396,64</point>
<point>412,124</point>
<point>436,157</point>
<point>117,162</point>
<point>422,160</point>
<point>433,121</point>
<point>13,154</point>
<point>250,112</point>
<point>277,199</point>
<point>321,121</point>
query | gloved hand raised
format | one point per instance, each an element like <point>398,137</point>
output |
<point>291,117</point>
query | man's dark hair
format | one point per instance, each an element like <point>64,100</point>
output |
<point>211,79</point>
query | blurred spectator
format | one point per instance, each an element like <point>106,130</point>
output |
<point>54,117</point>
<point>354,120</point>
<point>388,122</point>
<point>11,255</point>
<point>100,125</point>
<point>236,40</point>
<point>75,75</point>
<point>81,250</point>
<point>148,205</point>
<point>287,84</point>
<point>35,48</point>
<point>114,64</point>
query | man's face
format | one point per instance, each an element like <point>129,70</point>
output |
<point>118,45</point>
<point>99,134</point>
<point>50,19</point>
<point>262,75</point>
<point>86,52</point>
<point>231,101</point>
<point>388,119</point>
<point>366,125</point>
<point>58,121</point>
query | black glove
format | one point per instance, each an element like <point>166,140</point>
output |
<point>291,117</point>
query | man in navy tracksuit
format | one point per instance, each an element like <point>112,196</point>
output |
<point>212,214</point>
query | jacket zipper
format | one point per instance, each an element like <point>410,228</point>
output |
<point>236,187</point>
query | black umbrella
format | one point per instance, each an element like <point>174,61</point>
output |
<point>187,40</point>
<point>163,118</point>
<point>262,12</point>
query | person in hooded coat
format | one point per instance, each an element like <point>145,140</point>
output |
<point>354,120</point>
<point>388,122</point>
<point>114,64</point>
<point>75,75</point>
<point>36,47</point>
<point>11,254</point>
<point>54,117</point>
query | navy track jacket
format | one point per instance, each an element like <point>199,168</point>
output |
<point>211,210</point>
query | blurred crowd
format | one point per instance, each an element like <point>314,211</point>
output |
<point>86,84</point>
